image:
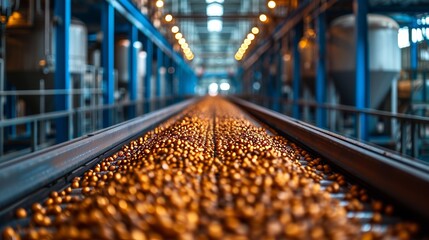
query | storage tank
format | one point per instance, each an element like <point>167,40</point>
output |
<point>122,66</point>
<point>78,49</point>
<point>122,57</point>
<point>384,56</point>
<point>24,57</point>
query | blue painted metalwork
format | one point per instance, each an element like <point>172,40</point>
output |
<point>134,15</point>
<point>107,61</point>
<point>413,50</point>
<point>321,70</point>
<point>62,74</point>
<point>271,88</point>
<point>278,77</point>
<point>362,62</point>
<point>160,64</point>
<point>148,77</point>
<point>132,64</point>
<point>296,79</point>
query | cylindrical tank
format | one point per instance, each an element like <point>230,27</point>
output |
<point>35,53</point>
<point>384,56</point>
<point>78,50</point>
<point>122,56</point>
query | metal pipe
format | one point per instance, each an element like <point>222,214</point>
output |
<point>2,102</point>
<point>50,92</point>
<point>47,30</point>
<point>42,111</point>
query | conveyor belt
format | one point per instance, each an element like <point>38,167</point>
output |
<point>211,172</point>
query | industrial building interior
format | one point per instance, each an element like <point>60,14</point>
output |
<point>299,104</point>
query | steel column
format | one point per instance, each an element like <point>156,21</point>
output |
<point>132,65</point>
<point>279,80</point>
<point>362,72</point>
<point>160,64</point>
<point>107,61</point>
<point>148,77</point>
<point>64,128</point>
<point>321,70</point>
<point>296,79</point>
<point>413,53</point>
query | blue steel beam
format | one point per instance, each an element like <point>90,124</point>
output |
<point>107,54</point>
<point>148,77</point>
<point>62,73</point>
<point>168,77</point>
<point>132,65</point>
<point>278,77</point>
<point>160,64</point>
<point>321,70</point>
<point>296,79</point>
<point>362,72</point>
<point>413,51</point>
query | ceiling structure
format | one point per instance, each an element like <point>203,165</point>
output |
<point>213,51</point>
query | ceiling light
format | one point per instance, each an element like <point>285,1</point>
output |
<point>178,36</point>
<point>255,30</point>
<point>244,46</point>
<point>182,42</point>
<point>250,36</point>
<point>247,41</point>
<point>263,18</point>
<point>213,88</point>
<point>214,25</point>
<point>212,1</point>
<point>175,29</point>
<point>214,9</point>
<point>271,4</point>
<point>183,45</point>
<point>168,18</point>
<point>224,86</point>
<point>159,3</point>
<point>187,51</point>
<point>242,51</point>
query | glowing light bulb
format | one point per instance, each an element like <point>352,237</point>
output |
<point>271,4</point>
<point>178,36</point>
<point>168,18</point>
<point>175,29</point>
<point>255,30</point>
<point>182,41</point>
<point>250,36</point>
<point>159,3</point>
<point>263,18</point>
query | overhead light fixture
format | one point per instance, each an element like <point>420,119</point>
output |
<point>224,86</point>
<point>168,18</point>
<point>214,9</point>
<point>244,46</point>
<point>263,18</point>
<point>178,36</point>
<point>213,1</point>
<point>214,25</point>
<point>255,30</point>
<point>271,4</point>
<point>183,45</point>
<point>159,3</point>
<point>250,36</point>
<point>175,29</point>
<point>247,41</point>
<point>182,41</point>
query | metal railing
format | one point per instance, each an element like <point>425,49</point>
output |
<point>403,133</point>
<point>120,113</point>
